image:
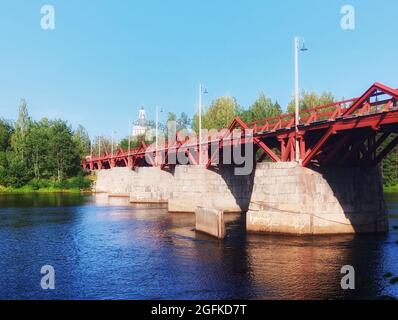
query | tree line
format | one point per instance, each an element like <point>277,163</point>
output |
<point>44,153</point>
<point>50,150</point>
<point>222,111</point>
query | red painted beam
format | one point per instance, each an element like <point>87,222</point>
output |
<point>312,152</point>
<point>333,119</point>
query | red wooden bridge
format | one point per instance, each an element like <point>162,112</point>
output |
<point>350,132</point>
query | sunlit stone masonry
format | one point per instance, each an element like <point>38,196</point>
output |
<point>151,185</point>
<point>195,186</point>
<point>288,198</point>
<point>116,181</point>
<point>187,187</point>
<point>279,197</point>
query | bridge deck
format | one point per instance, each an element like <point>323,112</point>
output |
<point>352,132</point>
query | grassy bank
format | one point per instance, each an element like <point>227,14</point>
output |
<point>391,189</point>
<point>72,185</point>
<point>29,189</point>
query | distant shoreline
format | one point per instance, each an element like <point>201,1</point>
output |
<point>391,189</point>
<point>29,190</point>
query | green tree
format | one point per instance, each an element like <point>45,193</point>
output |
<point>219,115</point>
<point>37,152</point>
<point>22,126</point>
<point>37,144</point>
<point>171,116</point>
<point>389,165</point>
<point>310,100</point>
<point>183,122</point>
<point>6,131</point>
<point>162,127</point>
<point>63,151</point>
<point>17,173</point>
<point>102,143</point>
<point>262,108</point>
<point>124,143</point>
<point>82,141</point>
<point>134,142</point>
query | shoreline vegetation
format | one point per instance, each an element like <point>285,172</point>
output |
<point>42,156</point>
<point>29,190</point>
<point>53,188</point>
<point>45,156</point>
<point>78,184</point>
<point>391,189</point>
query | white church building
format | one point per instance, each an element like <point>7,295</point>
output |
<point>140,126</point>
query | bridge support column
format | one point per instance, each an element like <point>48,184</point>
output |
<point>151,185</point>
<point>115,181</point>
<point>290,199</point>
<point>195,186</point>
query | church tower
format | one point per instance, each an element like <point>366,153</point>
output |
<point>140,125</point>
<point>141,115</point>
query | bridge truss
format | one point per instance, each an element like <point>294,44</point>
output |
<point>355,132</point>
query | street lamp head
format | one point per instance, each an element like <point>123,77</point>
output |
<point>202,89</point>
<point>303,48</point>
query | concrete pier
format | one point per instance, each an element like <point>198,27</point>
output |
<point>151,185</point>
<point>278,197</point>
<point>288,198</point>
<point>210,221</point>
<point>115,181</point>
<point>196,186</point>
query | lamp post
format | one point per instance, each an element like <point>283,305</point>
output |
<point>202,90</point>
<point>296,90</point>
<point>112,145</point>
<point>156,133</point>
<point>113,138</point>
<point>129,141</point>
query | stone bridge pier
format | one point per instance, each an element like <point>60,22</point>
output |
<point>196,186</point>
<point>116,181</point>
<point>288,198</point>
<point>281,197</point>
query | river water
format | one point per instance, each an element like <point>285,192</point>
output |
<point>104,248</point>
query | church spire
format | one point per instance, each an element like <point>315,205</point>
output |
<point>141,115</point>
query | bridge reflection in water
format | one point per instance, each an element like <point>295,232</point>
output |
<point>277,266</point>
<point>115,250</point>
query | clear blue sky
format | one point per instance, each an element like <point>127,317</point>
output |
<point>107,58</point>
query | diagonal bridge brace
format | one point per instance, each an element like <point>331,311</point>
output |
<point>238,122</point>
<point>312,152</point>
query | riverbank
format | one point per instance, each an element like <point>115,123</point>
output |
<point>84,185</point>
<point>391,189</point>
<point>29,189</point>
<point>78,184</point>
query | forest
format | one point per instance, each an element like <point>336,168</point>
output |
<point>41,155</point>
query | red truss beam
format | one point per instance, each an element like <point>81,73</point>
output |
<point>375,110</point>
